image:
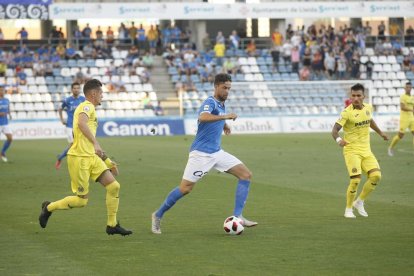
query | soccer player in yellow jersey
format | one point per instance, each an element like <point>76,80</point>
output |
<point>85,161</point>
<point>406,117</point>
<point>356,120</point>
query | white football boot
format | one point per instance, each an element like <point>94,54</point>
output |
<point>349,213</point>
<point>156,224</point>
<point>390,152</point>
<point>246,222</point>
<point>359,205</point>
<point>4,158</point>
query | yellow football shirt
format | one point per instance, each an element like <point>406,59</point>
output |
<point>408,101</point>
<point>356,126</point>
<point>81,145</point>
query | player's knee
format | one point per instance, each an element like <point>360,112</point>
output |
<point>246,175</point>
<point>401,135</point>
<point>353,184</point>
<point>375,177</point>
<point>113,188</point>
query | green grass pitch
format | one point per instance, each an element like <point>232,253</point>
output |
<point>297,196</point>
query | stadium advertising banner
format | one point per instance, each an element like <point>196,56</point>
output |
<point>163,127</point>
<point>24,9</point>
<point>286,9</point>
<point>26,130</point>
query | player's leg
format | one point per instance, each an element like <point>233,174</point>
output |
<point>79,173</point>
<point>198,165</point>
<point>232,165</point>
<point>371,166</point>
<point>7,143</point>
<point>404,124</point>
<point>100,173</point>
<point>353,164</point>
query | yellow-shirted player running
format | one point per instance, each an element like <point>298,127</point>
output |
<point>356,120</point>
<point>86,161</point>
<point>406,117</point>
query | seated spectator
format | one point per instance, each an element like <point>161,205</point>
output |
<point>304,73</point>
<point>145,76</point>
<point>379,47</point>
<point>3,68</point>
<point>330,63</point>
<point>48,69</point>
<point>158,110</point>
<point>21,78</point>
<point>148,60</point>
<point>146,101</point>
<point>39,68</point>
<point>89,51</point>
<point>61,50</point>
<point>397,47</point>
<point>406,64</point>
<point>387,46</point>
<point>71,52</point>
<point>188,84</point>
<point>251,48</point>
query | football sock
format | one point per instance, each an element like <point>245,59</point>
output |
<point>242,191</point>
<point>63,154</point>
<point>6,145</point>
<point>112,202</point>
<point>169,202</point>
<point>67,203</point>
<point>370,185</point>
<point>351,192</point>
<point>395,141</point>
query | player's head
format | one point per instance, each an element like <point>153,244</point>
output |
<point>222,86</point>
<point>408,87</point>
<point>357,94</point>
<point>75,89</point>
<point>93,91</point>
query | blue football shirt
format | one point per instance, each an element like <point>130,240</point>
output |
<point>208,137</point>
<point>4,107</point>
<point>69,105</point>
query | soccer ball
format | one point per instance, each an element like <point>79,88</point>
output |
<point>233,226</point>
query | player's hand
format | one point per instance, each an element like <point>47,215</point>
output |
<point>98,150</point>
<point>227,129</point>
<point>231,116</point>
<point>384,136</point>
<point>343,143</point>
<point>114,169</point>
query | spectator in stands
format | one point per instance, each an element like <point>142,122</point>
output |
<point>295,59</point>
<point>367,29</point>
<point>48,69</point>
<point>110,37</point>
<point>341,66</point>
<point>317,65</point>
<point>307,57</point>
<point>77,36</point>
<point>146,101</point>
<point>387,46</point>
<point>86,34</point>
<point>123,33</point>
<point>61,50</point>
<point>188,84</point>
<point>361,37</point>
<point>71,52</point>
<point>219,50</point>
<point>145,76</point>
<point>132,32</point>
<point>21,77</point>
<point>206,42</point>
<point>330,63</point>
<point>166,37</point>
<point>397,47</point>
<point>99,33</point>
<point>39,69</point>
<point>234,40</point>
<point>142,39</point>
<point>148,60</point>
<point>251,48</point>
<point>355,63</point>
<point>152,36</point>
<point>394,29</point>
<point>229,66</point>
<point>220,38</point>
<point>89,51</point>
<point>406,64</point>
<point>379,47</point>
<point>275,53</point>
<point>3,67</point>
<point>54,36</point>
<point>289,31</point>
<point>158,110</point>
<point>381,30</point>
<point>133,53</point>
<point>287,50</point>
<point>304,73</point>
<point>277,38</point>
<point>176,36</point>
<point>24,35</point>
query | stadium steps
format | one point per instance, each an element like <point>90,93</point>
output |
<point>161,82</point>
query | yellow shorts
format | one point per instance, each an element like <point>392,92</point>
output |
<point>356,163</point>
<point>81,169</point>
<point>406,123</point>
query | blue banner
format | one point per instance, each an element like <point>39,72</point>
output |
<point>26,2</point>
<point>163,127</point>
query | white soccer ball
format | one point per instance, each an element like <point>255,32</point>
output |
<point>233,225</point>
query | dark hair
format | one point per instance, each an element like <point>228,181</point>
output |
<point>408,83</point>
<point>358,87</point>
<point>221,78</point>
<point>91,85</point>
<point>74,84</point>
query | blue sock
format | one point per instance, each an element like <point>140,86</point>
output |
<point>63,154</point>
<point>6,145</point>
<point>169,202</point>
<point>241,195</point>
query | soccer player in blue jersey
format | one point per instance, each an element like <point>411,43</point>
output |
<point>4,122</point>
<point>206,153</point>
<point>69,105</point>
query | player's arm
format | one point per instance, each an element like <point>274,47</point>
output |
<point>83,127</point>
<point>335,135</point>
<point>9,112</point>
<point>374,126</point>
<point>60,111</point>
<point>405,108</point>
<point>206,117</point>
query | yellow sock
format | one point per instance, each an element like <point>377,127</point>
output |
<point>395,141</point>
<point>112,202</point>
<point>370,185</point>
<point>67,203</point>
<point>351,192</point>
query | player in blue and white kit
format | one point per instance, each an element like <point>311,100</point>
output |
<point>4,122</point>
<point>206,153</point>
<point>69,105</point>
